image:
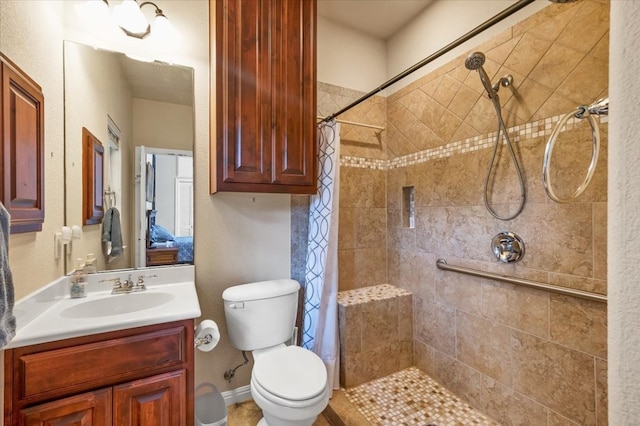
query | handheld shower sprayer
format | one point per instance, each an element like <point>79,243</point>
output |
<point>475,61</point>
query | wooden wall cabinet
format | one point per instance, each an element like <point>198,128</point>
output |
<point>92,179</point>
<point>21,148</point>
<point>265,96</point>
<point>136,377</point>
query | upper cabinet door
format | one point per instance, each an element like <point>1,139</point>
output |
<point>21,148</point>
<point>294,92</point>
<point>265,96</point>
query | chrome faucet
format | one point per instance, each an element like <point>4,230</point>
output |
<point>122,287</point>
<point>128,286</point>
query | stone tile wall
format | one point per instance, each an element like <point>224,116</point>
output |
<point>376,333</point>
<point>522,356</point>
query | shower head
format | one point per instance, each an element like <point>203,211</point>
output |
<point>475,61</point>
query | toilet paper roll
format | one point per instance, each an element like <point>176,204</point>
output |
<point>207,335</point>
<point>66,235</point>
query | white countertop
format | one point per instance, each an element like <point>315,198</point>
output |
<point>42,316</point>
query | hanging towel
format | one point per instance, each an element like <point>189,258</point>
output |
<point>7,319</point>
<point>111,232</point>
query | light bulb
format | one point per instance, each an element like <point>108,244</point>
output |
<point>130,17</point>
<point>161,26</point>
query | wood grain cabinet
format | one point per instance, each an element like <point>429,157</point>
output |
<point>162,256</point>
<point>265,96</point>
<point>21,148</point>
<point>136,377</point>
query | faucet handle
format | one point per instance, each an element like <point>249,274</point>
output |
<point>139,285</point>
<point>116,282</point>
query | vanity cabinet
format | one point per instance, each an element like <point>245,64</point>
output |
<point>136,377</point>
<point>264,55</point>
<point>21,148</point>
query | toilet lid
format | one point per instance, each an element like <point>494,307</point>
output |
<point>292,373</point>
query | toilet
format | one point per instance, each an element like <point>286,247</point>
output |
<point>288,383</point>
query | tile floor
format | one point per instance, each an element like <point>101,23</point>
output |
<point>408,397</point>
<point>249,414</point>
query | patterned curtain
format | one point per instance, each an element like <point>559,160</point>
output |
<point>320,322</point>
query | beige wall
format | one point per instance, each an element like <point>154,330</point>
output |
<point>519,355</point>
<point>624,197</point>
<point>89,101</point>
<point>162,125</point>
<point>37,50</point>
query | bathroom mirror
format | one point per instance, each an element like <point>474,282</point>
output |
<point>133,107</point>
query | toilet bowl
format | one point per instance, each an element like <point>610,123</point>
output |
<point>289,384</point>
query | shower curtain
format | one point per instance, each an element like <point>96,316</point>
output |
<point>320,321</point>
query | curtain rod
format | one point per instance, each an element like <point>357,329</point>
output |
<point>474,32</point>
<point>587,295</point>
<point>354,123</point>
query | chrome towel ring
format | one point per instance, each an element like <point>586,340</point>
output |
<point>600,107</point>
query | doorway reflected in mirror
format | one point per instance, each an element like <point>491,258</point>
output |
<point>164,197</point>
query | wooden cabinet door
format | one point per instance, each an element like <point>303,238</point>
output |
<point>21,148</point>
<point>87,409</point>
<point>243,112</point>
<point>265,62</point>
<point>294,93</point>
<point>159,401</point>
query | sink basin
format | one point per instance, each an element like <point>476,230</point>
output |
<point>116,305</point>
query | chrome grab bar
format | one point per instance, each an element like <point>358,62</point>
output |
<point>443,265</point>
<point>600,107</point>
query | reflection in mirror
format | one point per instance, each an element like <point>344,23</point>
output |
<point>128,104</point>
<point>164,196</point>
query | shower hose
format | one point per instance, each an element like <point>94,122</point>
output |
<point>523,195</point>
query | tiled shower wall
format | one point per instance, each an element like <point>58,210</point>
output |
<point>522,356</point>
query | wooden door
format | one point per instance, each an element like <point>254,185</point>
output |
<point>160,401</point>
<point>87,409</point>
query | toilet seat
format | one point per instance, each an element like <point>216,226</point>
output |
<point>290,373</point>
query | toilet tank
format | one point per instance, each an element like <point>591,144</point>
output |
<point>261,314</point>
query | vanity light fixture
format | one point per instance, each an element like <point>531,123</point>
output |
<point>128,17</point>
<point>132,21</point>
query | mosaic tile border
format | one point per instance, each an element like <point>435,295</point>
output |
<point>534,129</point>
<point>369,294</point>
<point>410,397</point>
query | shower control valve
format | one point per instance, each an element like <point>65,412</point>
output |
<point>507,247</point>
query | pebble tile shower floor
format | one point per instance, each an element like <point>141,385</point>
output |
<point>410,397</point>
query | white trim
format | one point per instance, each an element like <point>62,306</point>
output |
<point>237,395</point>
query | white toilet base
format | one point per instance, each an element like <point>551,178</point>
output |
<point>262,422</point>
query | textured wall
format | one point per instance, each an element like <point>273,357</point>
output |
<point>624,196</point>
<point>31,36</point>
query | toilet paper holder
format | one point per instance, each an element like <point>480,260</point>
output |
<point>205,340</point>
<point>206,335</point>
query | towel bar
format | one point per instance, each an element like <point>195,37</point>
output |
<point>442,264</point>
